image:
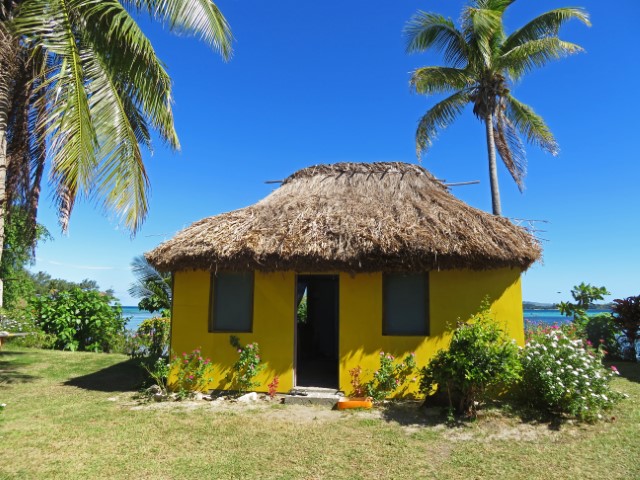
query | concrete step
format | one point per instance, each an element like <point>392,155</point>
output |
<point>327,397</point>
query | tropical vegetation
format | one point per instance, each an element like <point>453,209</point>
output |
<point>152,287</point>
<point>82,88</point>
<point>482,63</point>
<point>79,319</point>
<point>480,356</point>
<point>626,315</point>
<point>560,376</point>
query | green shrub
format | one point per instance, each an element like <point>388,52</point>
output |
<point>602,332</point>
<point>246,367</point>
<point>158,372</point>
<point>480,356</point>
<point>79,319</point>
<point>151,339</point>
<point>390,376</point>
<point>560,376</point>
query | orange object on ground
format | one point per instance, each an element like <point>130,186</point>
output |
<point>346,403</point>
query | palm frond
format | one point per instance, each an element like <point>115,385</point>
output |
<point>546,25</point>
<point>510,148</point>
<point>495,5</point>
<point>430,80</point>
<point>130,57</point>
<point>199,17</point>
<point>440,116</point>
<point>534,54</point>
<point>121,180</point>
<point>72,135</point>
<point>530,125</point>
<point>427,30</point>
<point>149,282</point>
<point>483,31</point>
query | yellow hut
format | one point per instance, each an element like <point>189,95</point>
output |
<point>385,257</point>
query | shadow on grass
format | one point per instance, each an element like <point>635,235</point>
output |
<point>533,416</point>
<point>125,376</point>
<point>412,413</point>
<point>10,373</point>
<point>10,370</point>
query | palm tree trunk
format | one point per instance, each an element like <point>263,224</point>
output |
<point>493,168</point>
<point>4,116</point>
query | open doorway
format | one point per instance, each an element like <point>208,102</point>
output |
<point>317,331</point>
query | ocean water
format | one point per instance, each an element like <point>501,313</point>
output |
<point>136,316</point>
<point>553,316</point>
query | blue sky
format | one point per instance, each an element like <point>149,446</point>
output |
<point>322,82</point>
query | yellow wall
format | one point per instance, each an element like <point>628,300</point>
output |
<point>273,323</point>
<point>453,295</point>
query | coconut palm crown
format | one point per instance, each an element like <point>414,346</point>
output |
<point>82,90</point>
<point>481,62</point>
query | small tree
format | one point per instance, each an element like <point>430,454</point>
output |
<point>626,314</point>
<point>584,295</point>
<point>480,356</point>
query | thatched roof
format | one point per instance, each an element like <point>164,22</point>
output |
<point>355,217</point>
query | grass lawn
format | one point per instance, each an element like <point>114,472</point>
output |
<point>73,415</point>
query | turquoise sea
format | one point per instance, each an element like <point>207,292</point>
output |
<point>553,316</point>
<point>136,316</point>
<point>543,316</point>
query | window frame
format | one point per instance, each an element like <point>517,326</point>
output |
<point>213,295</point>
<point>427,305</point>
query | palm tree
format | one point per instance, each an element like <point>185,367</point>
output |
<point>151,287</point>
<point>82,88</point>
<point>482,61</point>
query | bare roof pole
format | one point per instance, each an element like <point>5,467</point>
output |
<point>460,184</point>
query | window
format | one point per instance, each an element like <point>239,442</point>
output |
<point>231,302</point>
<point>405,304</point>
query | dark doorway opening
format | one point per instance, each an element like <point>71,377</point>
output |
<point>317,331</point>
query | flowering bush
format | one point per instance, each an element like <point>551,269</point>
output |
<point>560,376</point>
<point>151,339</point>
<point>533,330</point>
<point>480,356</point>
<point>389,377</point>
<point>191,373</point>
<point>246,368</point>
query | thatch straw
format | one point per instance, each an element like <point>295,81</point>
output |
<point>354,217</point>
